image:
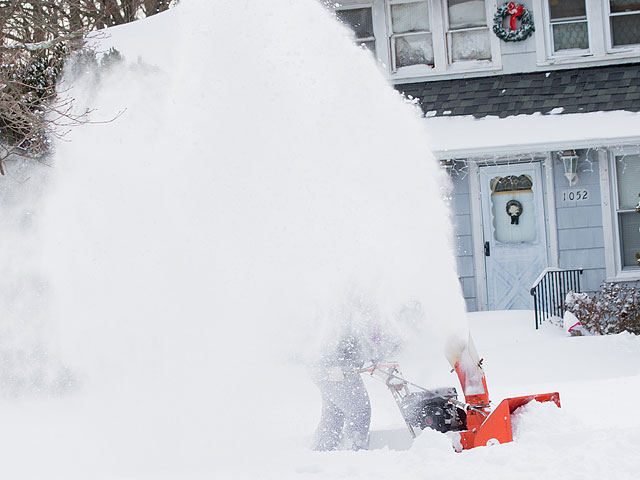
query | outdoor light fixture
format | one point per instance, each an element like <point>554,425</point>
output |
<point>570,163</point>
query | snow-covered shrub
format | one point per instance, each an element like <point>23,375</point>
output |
<point>614,309</point>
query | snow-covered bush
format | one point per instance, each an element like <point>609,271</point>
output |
<point>614,309</point>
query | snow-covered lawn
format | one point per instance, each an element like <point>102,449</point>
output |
<point>118,435</point>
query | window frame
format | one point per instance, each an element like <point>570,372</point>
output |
<point>616,211</point>
<point>449,34</point>
<point>382,28</point>
<point>615,271</point>
<point>394,36</point>
<point>609,31</point>
<point>549,23</point>
<point>442,63</point>
<point>356,6</point>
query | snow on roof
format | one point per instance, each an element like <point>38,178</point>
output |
<point>460,137</point>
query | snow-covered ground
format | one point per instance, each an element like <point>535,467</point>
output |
<point>593,435</point>
<point>183,261</point>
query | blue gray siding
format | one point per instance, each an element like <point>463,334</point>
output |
<point>461,220</point>
<point>580,234</point>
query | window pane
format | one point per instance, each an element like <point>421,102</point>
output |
<point>467,13</point>
<point>618,6</point>
<point>567,9</point>
<point>505,190</point>
<point>359,19</point>
<point>628,172</point>
<point>410,17</point>
<point>414,50</point>
<point>570,35</point>
<point>630,237</point>
<point>471,45</point>
<point>625,29</point>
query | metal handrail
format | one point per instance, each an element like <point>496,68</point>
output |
<point>550,290</point>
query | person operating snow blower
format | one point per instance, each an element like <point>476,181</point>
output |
<point>346,410</point>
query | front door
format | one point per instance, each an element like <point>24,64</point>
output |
<point>515,244</point>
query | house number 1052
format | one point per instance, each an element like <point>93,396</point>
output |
<point>575,195</point>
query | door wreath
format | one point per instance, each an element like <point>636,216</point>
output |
<point>514,11</point>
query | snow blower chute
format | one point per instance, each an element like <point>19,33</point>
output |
<point>471,423</point>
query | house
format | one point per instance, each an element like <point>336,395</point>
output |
<point>533,109</point>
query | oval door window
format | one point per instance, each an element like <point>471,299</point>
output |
<point>513,209</point>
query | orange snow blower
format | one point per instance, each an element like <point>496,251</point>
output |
<point>471,423</point>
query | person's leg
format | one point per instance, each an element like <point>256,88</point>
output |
<point>352,399</point>
<point>329,430</point>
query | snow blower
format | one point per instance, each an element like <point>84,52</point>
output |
<point>471,423</point>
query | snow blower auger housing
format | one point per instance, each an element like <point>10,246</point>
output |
<point>471,423</point>
<point>484,426</point>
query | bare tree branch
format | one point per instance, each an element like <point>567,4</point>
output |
<point>44,45</point>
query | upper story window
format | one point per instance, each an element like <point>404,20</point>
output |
<point>415,38</point>
<point>411,40</point>
<point>569,28</point>
<point>467,31</point>
<point>360,19</point>
<point>624,17</point>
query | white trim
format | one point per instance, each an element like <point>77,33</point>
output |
<point>613,272</point>
<point>553,255</point>
<point>605,203</point>
<point>534,168</point>
<point>496,46</point>
<point>629,273</point>
<point>596,28</point>
<point>527,148</point>
<point>439,34</point>
<point>539,20</point>
<point>477,232</point>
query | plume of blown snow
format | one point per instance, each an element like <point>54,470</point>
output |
<point>251,191</point>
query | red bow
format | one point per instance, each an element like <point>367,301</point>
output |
<point>515,12</point>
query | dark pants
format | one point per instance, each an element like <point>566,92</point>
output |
<point>346,414</point>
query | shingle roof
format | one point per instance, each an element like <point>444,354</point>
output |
<point>578,90</point>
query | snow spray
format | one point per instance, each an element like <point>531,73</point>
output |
<point>251,175</point>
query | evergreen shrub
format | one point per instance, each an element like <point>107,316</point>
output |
<point>614,309</point>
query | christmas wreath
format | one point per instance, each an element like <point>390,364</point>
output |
<point>513,34</point>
